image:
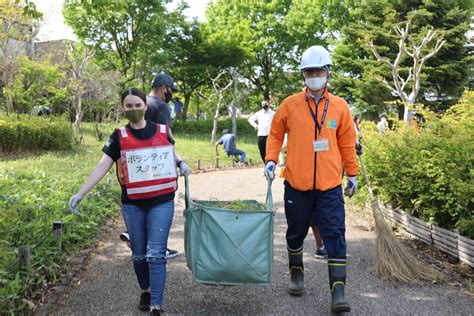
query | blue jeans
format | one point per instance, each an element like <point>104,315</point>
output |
<point>237,152</point>
<point>149,229</point>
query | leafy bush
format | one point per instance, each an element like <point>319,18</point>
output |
<point>428,171</point>
<point>36,83</point>
<point>205,126</point>
<point>26,133</point>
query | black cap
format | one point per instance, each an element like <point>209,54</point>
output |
<point>163,80</point>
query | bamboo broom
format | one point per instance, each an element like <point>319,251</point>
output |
<point>393,261</point>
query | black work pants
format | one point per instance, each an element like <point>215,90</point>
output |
<point>262,146</point>
<point>325,208</point>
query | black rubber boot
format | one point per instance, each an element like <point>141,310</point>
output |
<point>295,257</point>
<point>337,283</point>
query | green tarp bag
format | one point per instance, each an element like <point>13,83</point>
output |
<point>228,247</point>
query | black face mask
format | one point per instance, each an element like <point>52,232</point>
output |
<point>265,107</point>
<point>168,96</point>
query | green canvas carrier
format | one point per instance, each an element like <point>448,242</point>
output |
<point>228,247</point>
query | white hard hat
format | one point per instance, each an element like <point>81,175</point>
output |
<point>315,57</point>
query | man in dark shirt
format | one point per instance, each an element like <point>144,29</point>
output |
<point>157,100</point>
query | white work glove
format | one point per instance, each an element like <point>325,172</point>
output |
<point>269,170</point>
<point>351,187</point>
<point>74,203</point>
<point>184,168</point>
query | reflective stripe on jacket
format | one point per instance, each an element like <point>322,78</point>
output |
<point>150,170</point>
<point>306,169</point>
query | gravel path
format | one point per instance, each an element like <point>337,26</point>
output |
<point>108,285</point>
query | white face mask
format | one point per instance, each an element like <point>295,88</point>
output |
<point>316,83</point>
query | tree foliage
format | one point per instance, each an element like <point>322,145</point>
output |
<point>445,75</point>
<point>192,57</point>
<point>125,34</point>
<point>36,83</point>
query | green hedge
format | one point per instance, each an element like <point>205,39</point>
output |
<point>25,133</point>
<point>428,172</point>
<point>205,126</point>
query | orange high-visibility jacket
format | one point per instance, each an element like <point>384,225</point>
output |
<point>306,169</point>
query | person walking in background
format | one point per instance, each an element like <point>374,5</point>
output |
<point>228,142</point>
<point>382,125</point>
<point>148,191</point>
<point>261,121</point>
<point>321,138</point>
<point>178,108</point>
<point>357,121</point>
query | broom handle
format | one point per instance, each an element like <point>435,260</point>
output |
<point>371,193</point>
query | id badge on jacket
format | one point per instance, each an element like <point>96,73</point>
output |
<point>321,145</point>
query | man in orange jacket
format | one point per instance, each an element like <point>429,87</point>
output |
<point>321,138</point>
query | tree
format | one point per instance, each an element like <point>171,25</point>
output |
<point>35,83</point>
<point>192,57</point>
<point>19,26</point>
<point>77,58</point>
<point>273,35</point>
<point>125,35</point>
<point>256,28</point>
<point>419,55</point>
<point>356,70</point>
<point>216,98</point>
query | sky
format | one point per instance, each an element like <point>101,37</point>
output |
<point>54,28</point>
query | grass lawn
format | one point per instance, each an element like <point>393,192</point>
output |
<point>194,147</point>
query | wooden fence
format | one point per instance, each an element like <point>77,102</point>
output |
<point>450,242</point>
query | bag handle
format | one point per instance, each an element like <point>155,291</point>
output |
<point>187,199</point>
<point>269,199</point>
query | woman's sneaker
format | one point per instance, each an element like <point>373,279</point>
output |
<point>125,237</point>
<point>156,311</point>
<point>170,253</point>
<point>145,301</point>
<point>321,253</point>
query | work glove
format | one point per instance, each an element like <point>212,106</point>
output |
<point>269,170</point>
<point>74,203</point>
<point>351,187</point>
<point>359,149</point>
<point>184,168</point>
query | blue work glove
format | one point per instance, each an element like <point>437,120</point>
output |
<point>74,203</point>
<point>351,187</point>
<point>184,168</point>
<point>269,170</point>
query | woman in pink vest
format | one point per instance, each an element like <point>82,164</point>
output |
<point>146,164</point>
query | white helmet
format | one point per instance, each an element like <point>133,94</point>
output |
<point>315,57</point>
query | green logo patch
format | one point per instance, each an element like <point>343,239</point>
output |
<point>331,124</point>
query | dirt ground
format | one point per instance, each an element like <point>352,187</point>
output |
<point>107,284</point>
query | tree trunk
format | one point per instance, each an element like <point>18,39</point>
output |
<point>214,125</point>
<point>79,114</point>
<point>407,114</point>
<point>235,100</point>
<point>187,98</point>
